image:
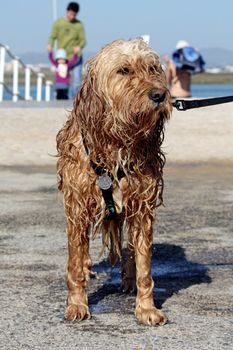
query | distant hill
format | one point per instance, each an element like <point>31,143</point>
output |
<point>34,58</point>
<point>42,57</point>
<point>217,57</point>
<point>213,57</point>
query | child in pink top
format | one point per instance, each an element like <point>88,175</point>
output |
<point>63,67</point>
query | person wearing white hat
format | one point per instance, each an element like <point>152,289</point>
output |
<point>181,44</point>
<point>63,67</point>
<point>185,62</point>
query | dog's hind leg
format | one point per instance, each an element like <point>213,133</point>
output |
<point>111,239</point>
<point>78,270</point>
<point>145,310</point>
<point>128,268</point>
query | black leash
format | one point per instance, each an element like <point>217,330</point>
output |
<point>183,105</point>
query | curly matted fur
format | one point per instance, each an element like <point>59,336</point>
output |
<point>117,122</point>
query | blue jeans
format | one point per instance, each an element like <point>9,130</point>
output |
<point>77,76</point>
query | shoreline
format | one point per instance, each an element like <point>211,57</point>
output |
<point>203,78</point>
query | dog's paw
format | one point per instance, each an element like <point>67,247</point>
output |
<point>77,312</point>
<point>151,316</point>
<point>128,285</point>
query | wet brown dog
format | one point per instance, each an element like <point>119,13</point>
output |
<point>110,169</point>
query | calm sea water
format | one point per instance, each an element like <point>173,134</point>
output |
<point>211,90</point>
<point>198,90</point>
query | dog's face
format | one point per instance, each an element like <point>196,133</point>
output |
<point>128,79</point>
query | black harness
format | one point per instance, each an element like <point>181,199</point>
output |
<point>104,181</point>
<point>105,184</point>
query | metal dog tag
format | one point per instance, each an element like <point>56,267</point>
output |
<point>104,181</point>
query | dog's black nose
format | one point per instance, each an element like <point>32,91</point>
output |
<point>157,95</point>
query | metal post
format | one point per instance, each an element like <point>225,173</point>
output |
<point>15,62</point>
<point>54,10</point>
<point>2,64</point>
<point>39,86</point>
<point>48,85</point>
<point>146,38</point>
<point>27,83</point>
<point>54,19</point>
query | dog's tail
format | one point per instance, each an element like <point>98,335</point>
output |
<point>111,238</point>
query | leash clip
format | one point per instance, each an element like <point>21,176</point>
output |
<point>179,105</point>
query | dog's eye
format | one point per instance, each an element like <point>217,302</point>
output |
<point>123,71</point>
<point>153,69</point>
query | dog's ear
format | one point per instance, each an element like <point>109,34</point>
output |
<point>89,102</point>
<point>86,115</point>
<point>88,83</point>
<point>71,130</point>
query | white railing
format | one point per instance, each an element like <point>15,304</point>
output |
<point>28,71</point>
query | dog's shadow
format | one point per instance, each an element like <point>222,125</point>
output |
<point>171,272</point>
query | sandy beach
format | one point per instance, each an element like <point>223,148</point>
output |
<point>28,134</point>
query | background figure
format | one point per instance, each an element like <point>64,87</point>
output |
<point>63,67</point>
<point>185,62</point>
<point>69,33</point>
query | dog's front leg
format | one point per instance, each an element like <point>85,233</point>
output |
<point>78,269</point>
<point>145,310</point>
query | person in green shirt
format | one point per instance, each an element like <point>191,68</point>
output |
<point>68,33</point>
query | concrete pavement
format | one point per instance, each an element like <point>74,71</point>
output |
<point>192,253</point>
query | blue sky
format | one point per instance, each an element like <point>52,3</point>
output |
<point>25,24</point>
